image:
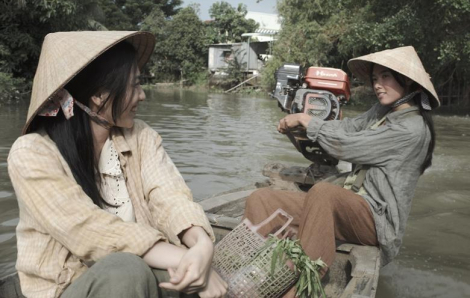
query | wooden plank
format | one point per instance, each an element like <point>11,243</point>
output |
<point>215,203</point>
<point>253,77</point>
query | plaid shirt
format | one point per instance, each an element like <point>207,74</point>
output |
<point>60,228</point>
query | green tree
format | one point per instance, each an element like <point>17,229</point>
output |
<point>438,29</point>
<point>330,32</point>
<point>304,38</point>
<point>24,24</point>
<point>129,14</point>
<point>229,23</point>
<point>181,49</point>
<point>113,17</point>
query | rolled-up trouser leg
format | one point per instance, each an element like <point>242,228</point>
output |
<point>117,275</point>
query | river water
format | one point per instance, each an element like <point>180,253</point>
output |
<point>220,142</point>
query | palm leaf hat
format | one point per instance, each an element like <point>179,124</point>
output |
<point>403,60</point>
<point>65,54</point>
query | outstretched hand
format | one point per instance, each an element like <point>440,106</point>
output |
<point>292,121</point>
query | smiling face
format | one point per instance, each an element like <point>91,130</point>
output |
<point>386,87</point>
<point>134,95</point>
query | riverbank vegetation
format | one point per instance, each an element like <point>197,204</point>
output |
<point>322,33</point>
<point>329,33</point>
<point>182,38</point>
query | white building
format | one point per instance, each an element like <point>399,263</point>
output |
<point>252,53</point>
<point>269,25</point>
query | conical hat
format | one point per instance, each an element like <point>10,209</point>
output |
<point>65,54</point>
<point>403,60</point>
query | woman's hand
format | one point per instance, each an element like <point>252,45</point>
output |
<point>216,286</point>
<point>291,232</point>
<point>164,255</point>
<point>293,120</point>
<point>193,270</point>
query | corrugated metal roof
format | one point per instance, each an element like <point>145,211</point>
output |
<point>267,31</point>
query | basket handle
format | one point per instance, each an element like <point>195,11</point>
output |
<point>279,211</point>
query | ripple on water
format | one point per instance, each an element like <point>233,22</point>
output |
<point>10,223</point>
<point>399,281</point>
<point>5,194</point>
<point>443,163</point>
<point>5,237</point>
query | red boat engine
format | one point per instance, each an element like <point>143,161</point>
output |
<point>319,93</point>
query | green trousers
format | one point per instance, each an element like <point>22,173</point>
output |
<point>121,275</point>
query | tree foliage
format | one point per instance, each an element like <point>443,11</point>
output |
<point>229,23</point>
<point>25,23</point>
<point>129,14</point>
<point>330,32</point>
<point>181,49</point>
<point>314,32</point>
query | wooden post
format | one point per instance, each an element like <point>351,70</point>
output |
<point>242,83</point>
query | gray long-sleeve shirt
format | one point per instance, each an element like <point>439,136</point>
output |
<point>394,151</point>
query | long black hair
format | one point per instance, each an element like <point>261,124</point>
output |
<point>427,117</point>
<point>110,72</point>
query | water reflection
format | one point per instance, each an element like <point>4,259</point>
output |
<point>220,142</point>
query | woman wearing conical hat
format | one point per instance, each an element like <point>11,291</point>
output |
<point>391,146</point>
<point>101,203</point>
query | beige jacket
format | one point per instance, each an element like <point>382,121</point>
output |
<point>60,228</point>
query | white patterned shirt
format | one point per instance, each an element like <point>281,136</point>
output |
<point>113,185</point>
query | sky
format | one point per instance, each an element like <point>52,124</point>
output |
<point>267,6</point>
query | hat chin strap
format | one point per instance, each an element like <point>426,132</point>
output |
<point>424,100</point>
<point>63,100</point>
<point>94,116</point>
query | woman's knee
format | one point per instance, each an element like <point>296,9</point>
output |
<point>319,194</point>
<point>319,188</point>
<point>257,197</point>
<point>116,275</point>
<point>125,266</point>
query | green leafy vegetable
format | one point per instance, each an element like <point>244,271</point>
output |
<point>309,283</point>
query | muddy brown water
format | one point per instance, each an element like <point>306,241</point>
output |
<point>221,142</point>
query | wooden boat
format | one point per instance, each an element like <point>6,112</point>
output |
<point>354,273</point>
